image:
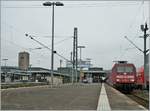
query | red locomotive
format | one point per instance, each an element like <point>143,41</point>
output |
<point>140,78</point>
<point>123,76</point>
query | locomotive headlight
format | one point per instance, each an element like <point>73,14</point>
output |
<point>132,80</point>
<point>117,80</point>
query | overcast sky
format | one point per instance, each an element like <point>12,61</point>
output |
<point>101,29</point>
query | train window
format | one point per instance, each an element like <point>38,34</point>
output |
<point>120,69</point>
<point>124,69</point>
<point>128,69</point>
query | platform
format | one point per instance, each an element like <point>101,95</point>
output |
<point>103,103</point>
<point>119,101</point>
<point>66,97</point>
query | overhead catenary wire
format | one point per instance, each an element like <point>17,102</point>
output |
<point>76,5</point>
<point>29,49</point>
<point>10,41</point>
<point>133,43</point>
<point>46,46</point>
<point>64,40</point>
<point>56,36</point>
<point>140,11</point>
<point>61,41</point>
<point>22,47</point>
<point>13,28</point>
<point>83,6</point>
<point>142,3</point>
<point>135,16</point>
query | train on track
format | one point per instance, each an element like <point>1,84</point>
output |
<point>125,77</point>
<point>140,78</point>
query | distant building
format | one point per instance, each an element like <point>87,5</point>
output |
<point>23,60</point>
<point>13,74</point>
<point>82,64</point>
<point>95,69</point>
<point>32,74</point>
<point>94,74</point>
<point>65,70</point>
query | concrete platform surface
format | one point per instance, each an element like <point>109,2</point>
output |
<point>119,101</point>
<point>103,103</point>
<point>78,97</point>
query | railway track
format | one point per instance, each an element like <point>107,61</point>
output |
<point>140,100</point>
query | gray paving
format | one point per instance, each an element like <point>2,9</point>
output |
<point>103,103</point>
<point>119,101</point>
<point>77,97</point>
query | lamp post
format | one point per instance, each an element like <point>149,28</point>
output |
<point>52,52</point>
<point>80,47</point>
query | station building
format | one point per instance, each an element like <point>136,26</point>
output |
<point>24,72</point>
<point>32,74</point>
<point>94,74</point>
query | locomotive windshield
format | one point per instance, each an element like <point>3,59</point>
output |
<point>124,69</point>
